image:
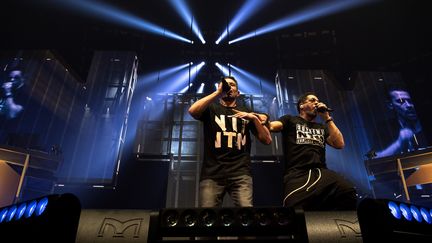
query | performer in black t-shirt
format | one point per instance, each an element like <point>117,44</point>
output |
<point>227,143</point>
<point>308,182</point>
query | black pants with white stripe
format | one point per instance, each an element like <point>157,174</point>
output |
<point>319,189</point>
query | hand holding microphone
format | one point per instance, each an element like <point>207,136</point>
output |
<point>225,86</point>
<point>323,108</point>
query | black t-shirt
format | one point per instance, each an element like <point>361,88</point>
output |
<point>303,143</point>
<point>227,143</point>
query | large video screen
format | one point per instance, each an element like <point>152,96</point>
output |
<point>44,108</point>
<point>374,111</point>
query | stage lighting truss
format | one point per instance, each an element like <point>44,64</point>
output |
<point>259,222</point>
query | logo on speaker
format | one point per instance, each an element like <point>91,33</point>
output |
<point>119,227</point>
<point>348,229</point>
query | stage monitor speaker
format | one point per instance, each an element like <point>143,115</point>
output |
<point>218,224</point>
<point>114,226</point>
<point>266,224</point>
<point>333,226</point>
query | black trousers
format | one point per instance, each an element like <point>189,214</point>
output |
<point>319,189</point>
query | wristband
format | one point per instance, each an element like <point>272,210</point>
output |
<point>329,120</point>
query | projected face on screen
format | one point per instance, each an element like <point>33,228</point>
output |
<point>400,102</point>
<point>11,83</point>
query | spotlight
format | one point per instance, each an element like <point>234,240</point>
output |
<point>313,12</point>
<point>182,9</point>
<point>3,214</point>
<point>426,216</point>
<point>416,213</point>
<point>394,209</point>
<point>31,207</point>
<point>227,217</point>
<point>170,218</point>
<point>391,220</point>
<point>249,8</point>
<point>201,89</point>
<point>20,211</point>
<point>246,217</point>
<point>11,213</point>
<point>263,217</point>
<point>49,219</point>
<point>208,217</point>
<point>223,69</point>
<point>189,218</point>
<point>251,82</point>
<point>112,14</point>
<point>406,212</point>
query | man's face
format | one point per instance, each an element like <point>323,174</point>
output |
<point>233,93</point>
<point>402,104</point>
<point>309,105</point>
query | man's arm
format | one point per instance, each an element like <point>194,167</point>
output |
<point>275,126</point>
<point>403,143</point>
<point>335,138</point>
<point>200,105</point>
<point>262,132</point>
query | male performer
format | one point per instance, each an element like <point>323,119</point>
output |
<point>307,180</point>
<point>227,142</point>
<point>410,135</point>
<point>11,82</point>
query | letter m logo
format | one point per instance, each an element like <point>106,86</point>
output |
<point>348,229</point>
<point>119,227</point>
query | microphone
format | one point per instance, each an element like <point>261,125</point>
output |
<point>225,86</point>
<point>324,109</point>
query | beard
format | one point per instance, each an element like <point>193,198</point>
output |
<point>312,114</point>
<point>228,99</point>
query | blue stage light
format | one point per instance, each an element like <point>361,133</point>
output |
<point>20,211</point>
<point>406,211</point>
<point>201,89</point>
<point>11,213</point>
<point>182,9</point>
<point>3,214</point>
<point>266,86</point>
<point>185,89</point>
<point>394,209</point>
<point>149,79</point>
<point>224,70</point>
<point>174,82</point>
<point>311,13</point>
<point>114,15</point>
<point>30,209</point>
<point>416,213</point>
<point>426,216</point>
<point>249,8</point>
<point>41,206</point>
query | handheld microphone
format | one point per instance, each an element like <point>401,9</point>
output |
<point>225,86</point>
<point>324,109</point>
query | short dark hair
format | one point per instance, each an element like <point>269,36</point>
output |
<point>302,99</point>
<point>395,87</point>
<point>231,77</point>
